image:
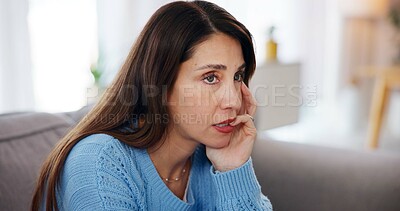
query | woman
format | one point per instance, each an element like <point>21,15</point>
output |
<point>175,129</point>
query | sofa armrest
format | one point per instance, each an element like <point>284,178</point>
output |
<point>305,177</point>
<point>25,141</point>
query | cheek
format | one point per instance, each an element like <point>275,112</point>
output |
<point>192,105</point>
<point>209,98</point>
<point>240,96</point>
<point>201,106</point>
<point>238,89</point>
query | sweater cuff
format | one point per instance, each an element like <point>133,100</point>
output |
<point>237,182</point>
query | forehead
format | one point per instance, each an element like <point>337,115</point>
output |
<point>217,49</point>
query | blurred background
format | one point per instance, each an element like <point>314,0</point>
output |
<point>57,56</point>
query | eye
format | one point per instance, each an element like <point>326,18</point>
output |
<point>239,76</point>
<point>211,79</point>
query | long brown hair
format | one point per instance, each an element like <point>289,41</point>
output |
<point>168,39</point>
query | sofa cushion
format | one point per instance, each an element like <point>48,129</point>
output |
<point>76,116</point>
<point>305,177</point>
<point>25,141</point>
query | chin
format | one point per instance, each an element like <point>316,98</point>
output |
<point>219,143</point>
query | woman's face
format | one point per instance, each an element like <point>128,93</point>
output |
<point>207,92</point>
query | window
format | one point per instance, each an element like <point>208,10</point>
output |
<point>63,36</point>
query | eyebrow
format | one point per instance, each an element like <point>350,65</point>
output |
<point>218,67</point>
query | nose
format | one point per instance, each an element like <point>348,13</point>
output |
<point>231,97</point>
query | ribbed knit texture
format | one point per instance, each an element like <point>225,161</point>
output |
<point>102,173</point>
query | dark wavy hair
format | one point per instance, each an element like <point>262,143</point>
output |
<point>168,39</point>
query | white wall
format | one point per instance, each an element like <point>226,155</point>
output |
<point>16,88</point>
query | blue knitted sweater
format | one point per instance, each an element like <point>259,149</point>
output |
<point>102,173</point>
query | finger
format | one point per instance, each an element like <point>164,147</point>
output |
<point>249,102</point>
<point>247,119</point>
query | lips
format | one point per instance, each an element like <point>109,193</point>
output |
<point>226,122</point>
<point>224,126</point>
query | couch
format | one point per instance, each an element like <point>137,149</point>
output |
<point>294,176</point>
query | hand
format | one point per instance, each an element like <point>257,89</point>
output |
<point>242,140</point>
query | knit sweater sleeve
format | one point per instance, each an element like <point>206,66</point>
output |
<point>238,189</point>
<point>96,177</point>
